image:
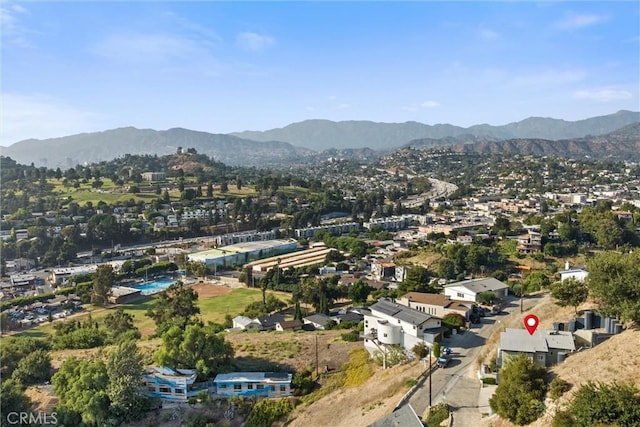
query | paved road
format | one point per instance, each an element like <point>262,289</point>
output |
<point>458,384</point>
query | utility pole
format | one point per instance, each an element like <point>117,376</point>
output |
<point>317,367</point>
<point>521,293</point>
<point>430,351</point>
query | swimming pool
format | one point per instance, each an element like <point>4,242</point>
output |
<point>158,285</point>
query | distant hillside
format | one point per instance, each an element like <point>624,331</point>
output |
<point>83,148</point>
<point>621,144</point>
<point>324,134</point>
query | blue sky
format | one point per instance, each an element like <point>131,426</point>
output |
<point>230,66</point>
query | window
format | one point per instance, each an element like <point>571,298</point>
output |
<point>179,391</point>
<point>249,386</point>
<point>273,388</point>
<point>460,295</point>
<point>260,387</point>
<point>165,390</point>
<point>540,357</point>
<point>384,335</point>
<point>237,387</point>
<point>283,387</point>
<point>152,388</point>
<point>222,386</point>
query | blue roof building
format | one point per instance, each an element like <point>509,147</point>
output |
<point>171,384</point>
<point>266,384</point>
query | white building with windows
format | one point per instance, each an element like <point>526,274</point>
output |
<point>468,290</point>
<point>392,324</point>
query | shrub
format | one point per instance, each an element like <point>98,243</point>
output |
<point>410,382</point>
<point>558,387</point>
<point>266,412</point>
<point>489,381</point>
<point>437,414</point>
<point>518,397</point>
<point>352,336</point>
<point>606,404</point>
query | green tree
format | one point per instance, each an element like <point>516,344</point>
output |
<point>420,350</point>
<point>520,394</point>
<point>102,283</point>
<point>453,321</point>
<point>4,322</point>
<point>177,306</point>
<point>614,281</point>
<point>14,349</point>
<point>198,347</point>
<point>486,297</point>
<point>570,292</point>
<point>81,387</point>
<point>417,280</point>
<point>118,322</point>
<point>597,404</point>
<point>436,349</point>
<point>34,368</point>
<point>536,281</point>
<point>125,370</point>
<point>359,292</point>
<point>13,400</point>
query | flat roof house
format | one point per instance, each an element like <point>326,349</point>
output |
<point>468,290</point>
<point>243,322</point>
<point>267,384</point>
<point>170,384</point>
<point>544,347</point>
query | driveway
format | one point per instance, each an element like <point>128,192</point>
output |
<point>458,384</point>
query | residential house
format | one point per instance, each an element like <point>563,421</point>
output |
<point>395,324</point>
<point>268,322</point>
<point>576,273</point>
<point>289,325</point>
<point>267,384</point>
<point>243,322</point>
<point>382,270</point>
<point>529,243</point>
<point>318,320</point>
<point>544,347</point>
<point>153,176</point>
<point>170,384</point>
<point>436,304</point>
<point>468,290</point>
<point>124,294</point>
<point>404,416</point>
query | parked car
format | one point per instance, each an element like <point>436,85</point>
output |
<point>496,309</point>
<point>443,361</point>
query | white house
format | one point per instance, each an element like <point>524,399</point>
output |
<point>436,304</point>
<point>394,324</point>
<point>243,322</point>
<point>468,290</point>
<point>577,273</point>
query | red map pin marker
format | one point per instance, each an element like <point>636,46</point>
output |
<point>531,322</point>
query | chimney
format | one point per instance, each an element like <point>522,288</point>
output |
<point>566,265</point>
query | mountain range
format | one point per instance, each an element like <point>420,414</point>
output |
<point>314,140</point>
<point>323,134</point>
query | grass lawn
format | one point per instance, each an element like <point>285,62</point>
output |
<point>211,308</point>
<point>234,303</point>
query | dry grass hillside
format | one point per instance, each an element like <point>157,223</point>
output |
<point>616,359</point>
<point>361,405</point>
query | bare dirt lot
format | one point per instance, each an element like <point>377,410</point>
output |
<point>205,290</point>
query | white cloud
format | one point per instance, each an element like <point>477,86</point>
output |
<point>549,77</point>
<point>343,106</point>
<point>332,97</point>
<point>13,30</point>
<point>146,48</point>
<point>40,116</point>
<point>603,95</point>
<point>576,21</point>
<point>254,41</point>
<point>430,104</point>
<point>488,34</point>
